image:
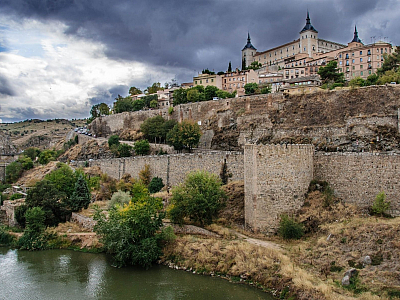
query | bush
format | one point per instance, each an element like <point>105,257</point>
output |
<point>380,205</point>
<point>289,228</point>
<point>142,147</point>
<point>124,150</point>
<point>155,185</point>
<point>144,175</point>
<point>6,239</point>
<point>20,215</point>
<point>199,198</point>
<point>113,140</point>
<point>13,171</point>
<point>131,234</point>
<point>121,198</point>
<point>16,196</point>
<point>46,156</point>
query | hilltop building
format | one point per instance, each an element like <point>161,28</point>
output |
<point>304,56</point>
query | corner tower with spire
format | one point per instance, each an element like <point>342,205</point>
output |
<point>248,53</point>
<point>356,39</point>
<point>308,38</point>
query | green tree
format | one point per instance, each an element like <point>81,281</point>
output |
<point>142,147</point>
<point>132,234</point>
<point>45,195</point>
<point>250,88</point>
<point>98,110</point>
<point>124,150</point>
<point>389,76</point>
<point>372,79</point>
<point>152,128</point>
<point>255,65</point>
<point>46,156</point>
<point>357,81</point>
<point>138,104</point>
<point>380,205</point>
<point>184,135</point>
<point>199,198</point>
<point>153,104</point>
<point>113,140</point>
<point>207,71</point>
<point>134,91</point>
<point>391,63</point>
<point>210,92</point>
<point>63,178</point>
<point>265,90</point>
<point>13,171</point>
<point>193,95</point>
<point>34,237</point>
<point>32,153</point>
<point>180,96</point>
<point>81,196</point>
<point>123,104</point>
<point>154,88</point>
<point>155,185</point>
<point>330,73</point>
<point>224,94</point>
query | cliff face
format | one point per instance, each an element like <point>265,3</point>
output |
<point>349,120</point>
<point>6,147</point>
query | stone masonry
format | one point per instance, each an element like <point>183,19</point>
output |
<point>276,180</point>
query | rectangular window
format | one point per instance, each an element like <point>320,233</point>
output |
<point>212,80</point>
<point>352,61</point>
<point>361,67</point>
<point>201,81</point>
<point>360,52</point>
<point>361,59</point>
<point>195,82</point>
<point>362,73</point>
<point>354,67</point>
<point>206,80</point>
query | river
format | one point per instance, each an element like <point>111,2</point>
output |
<point>64,274</point>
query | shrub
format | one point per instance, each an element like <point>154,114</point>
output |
<point>131,234</point>
<point>20,215</point>
<point>289,228</point>
<point>113,140</point>
<point>142,147</point>
<point>170,110</point>
<point>124,150</point>
<point>199,198</point>
<point>13,171</point>
<point>6,239</point>
<point>155,185</point>
<point>144,175</point>
<point>121,198</point>
<point>16,196</point>
<point>46,156</point>
<point>380,205</point>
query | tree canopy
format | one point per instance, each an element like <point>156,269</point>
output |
<point>330,73</point>
<point>184,135</point>
<point>134,91</point>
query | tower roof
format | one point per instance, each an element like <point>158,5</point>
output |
<point>356,38</point>
<point>249,45</point>
<point>308,25</point>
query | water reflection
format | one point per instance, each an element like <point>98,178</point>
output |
<point>59,274</point>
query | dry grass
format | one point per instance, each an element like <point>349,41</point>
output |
<point>68,227</point>
<point>89,212</point>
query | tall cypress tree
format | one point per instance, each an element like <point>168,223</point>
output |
<point>81,195</point>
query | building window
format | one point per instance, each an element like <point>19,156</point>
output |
<point>347,56</point>
<point>360,52</point>
<point>369,52</point>
<point>212,80</point>
<point>340,62</point>
<point>206,80</point>
<point>352,61</point>
<point>354,67</point>
<point>361,73</point>
<point>361,67</point>
<point>369,72</point>
<point>361,59</point>
<point>201,81</point>
<point>195,82</point>
<point>340,55</point>
<point>304,48</point>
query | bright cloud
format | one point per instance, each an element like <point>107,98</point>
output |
<point>48,74</point>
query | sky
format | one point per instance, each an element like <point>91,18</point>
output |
<point>60,57</point>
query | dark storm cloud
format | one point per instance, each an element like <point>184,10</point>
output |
<point>198,34</point>
<point>5,88</point>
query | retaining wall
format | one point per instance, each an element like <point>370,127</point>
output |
<point>358,177</point>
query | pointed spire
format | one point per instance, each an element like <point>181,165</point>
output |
<point>308,25</point>
<point>356,38</point>
<point>249,45</point>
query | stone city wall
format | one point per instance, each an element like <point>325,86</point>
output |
<point>85,222</point>
<point>358,177</point>
<point>276,180</point>
<point>174,168</point>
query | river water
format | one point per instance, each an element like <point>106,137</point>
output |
<point>64,274</point>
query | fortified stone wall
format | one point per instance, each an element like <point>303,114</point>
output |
<point>358,177</point>
<point>2,172</point>
<point>173,168</point>
<point>276,179</point>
